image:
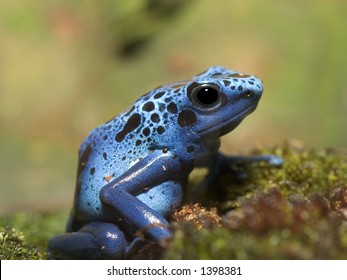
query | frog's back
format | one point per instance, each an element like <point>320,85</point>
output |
<point>115,146</point>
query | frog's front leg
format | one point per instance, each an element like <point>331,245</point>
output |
<point>120,195</point>
<point>224,163</point>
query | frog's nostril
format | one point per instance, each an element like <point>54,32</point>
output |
<point>248,94</point>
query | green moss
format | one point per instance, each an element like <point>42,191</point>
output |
<point>306,171</point>
<point>25,235</point>
<point>12,246</point>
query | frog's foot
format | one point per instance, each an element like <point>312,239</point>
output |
<point>97,240</point>
<point>273,160</point>
<point>237,165</point>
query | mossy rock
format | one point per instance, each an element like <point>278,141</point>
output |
<point>298,211</point>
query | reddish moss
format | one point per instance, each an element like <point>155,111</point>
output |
<point>198,215</point>
<point>338,198</point>
<point>272,211</point>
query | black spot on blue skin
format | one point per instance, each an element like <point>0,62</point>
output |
<point>190,149</point>
<point>133,122</point>
<point>240,88</point>
<point>138,142</point>
<point>149,139</point>
<point>146,131</point>
<point>124,158</point>
<point>105,137</point>
<point>83,160</point>
<point>238,75</point>
<point>155,118</point>
<point>177,90</point>
<point>226,83</point>
<point>104,155</point>
<point>159,94</point>
<point>216,74</point>
<point>172,108</point>
<point>148,106</point>
<point>160,129</point>
<point>168,99</point>
<point>233,87</point>
<point>186,118</point>
<point>251,83</point>
<point>92,171</point>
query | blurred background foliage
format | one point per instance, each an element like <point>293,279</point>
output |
<point>68,66</point>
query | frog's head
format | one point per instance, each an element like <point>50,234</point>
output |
<point>219,99</point>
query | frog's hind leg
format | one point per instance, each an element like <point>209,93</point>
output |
<point>97,240</point>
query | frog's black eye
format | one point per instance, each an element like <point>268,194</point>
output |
<point>206,96</point>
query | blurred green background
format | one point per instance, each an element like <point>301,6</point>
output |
<point>68,66</point>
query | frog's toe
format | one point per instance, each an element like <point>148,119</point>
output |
<point>275,161</point>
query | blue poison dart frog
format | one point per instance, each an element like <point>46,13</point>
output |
<point>132,169</point>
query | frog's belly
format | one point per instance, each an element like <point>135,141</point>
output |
<point>164,198</point>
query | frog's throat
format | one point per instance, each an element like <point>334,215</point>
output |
<point>228,124</point>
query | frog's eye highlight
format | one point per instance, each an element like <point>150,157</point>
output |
<point>206,96</point>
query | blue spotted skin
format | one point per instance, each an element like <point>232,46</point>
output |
<point>132,169</point>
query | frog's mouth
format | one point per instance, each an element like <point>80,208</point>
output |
<point>228,124</point>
